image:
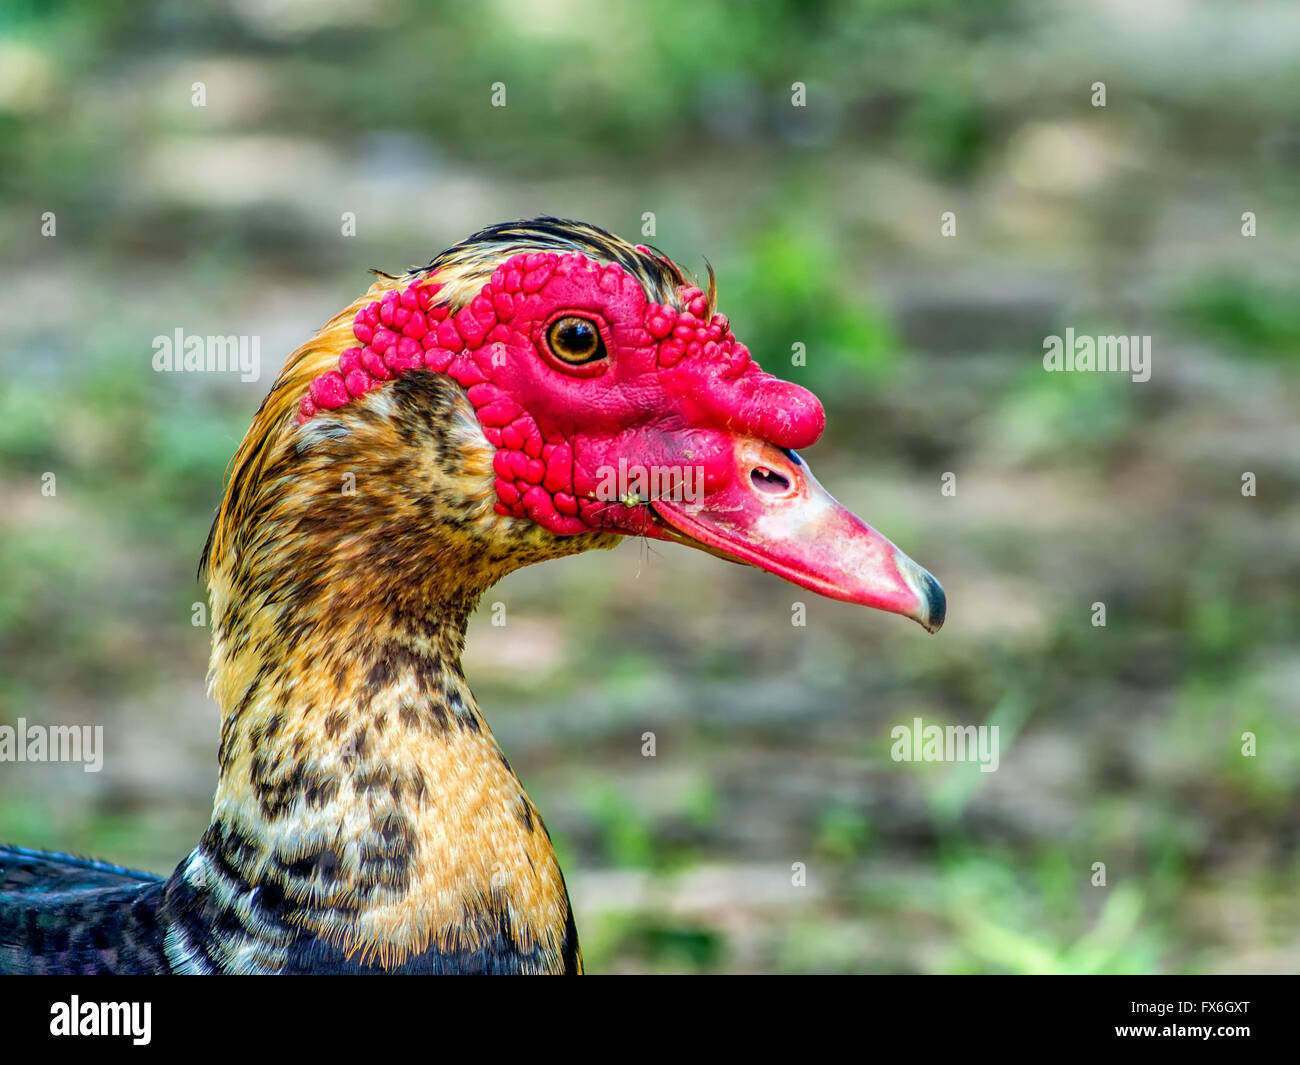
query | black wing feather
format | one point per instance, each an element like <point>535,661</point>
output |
<point>61,914</point>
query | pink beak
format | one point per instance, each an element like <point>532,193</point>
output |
<point>774,514</point>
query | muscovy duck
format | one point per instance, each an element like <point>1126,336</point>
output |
<point>462,420</point>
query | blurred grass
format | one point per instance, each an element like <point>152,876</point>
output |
<point>1253,318</point>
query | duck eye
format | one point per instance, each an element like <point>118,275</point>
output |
<point>575,340</point>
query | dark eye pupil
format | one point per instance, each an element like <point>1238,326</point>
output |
<point>578,336</point>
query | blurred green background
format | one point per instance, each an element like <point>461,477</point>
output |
<point>1119,744</point>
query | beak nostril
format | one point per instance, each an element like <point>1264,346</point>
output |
<point>768,480</point>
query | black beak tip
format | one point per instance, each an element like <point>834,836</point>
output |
<point>936,604</point>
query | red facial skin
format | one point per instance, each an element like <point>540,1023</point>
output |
<point>675,391</point>
<point>680,384</point>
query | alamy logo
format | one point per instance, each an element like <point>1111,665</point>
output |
<point>919,742</point>
<point>1081,354</point>
<point>208,354</point>
<point>634,485</point>
<point>103,1018</point>
<point>53,743</point>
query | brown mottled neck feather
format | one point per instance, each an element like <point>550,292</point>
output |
<point>363,806</point>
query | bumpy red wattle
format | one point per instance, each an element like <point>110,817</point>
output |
<point>676,388</point>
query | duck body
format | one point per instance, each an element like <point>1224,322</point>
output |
<point>451,426</point>
<point>90,918</point>
<point>60,914</point>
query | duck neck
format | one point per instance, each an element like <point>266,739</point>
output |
<point>361,788</point>
<point>363,806</point>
